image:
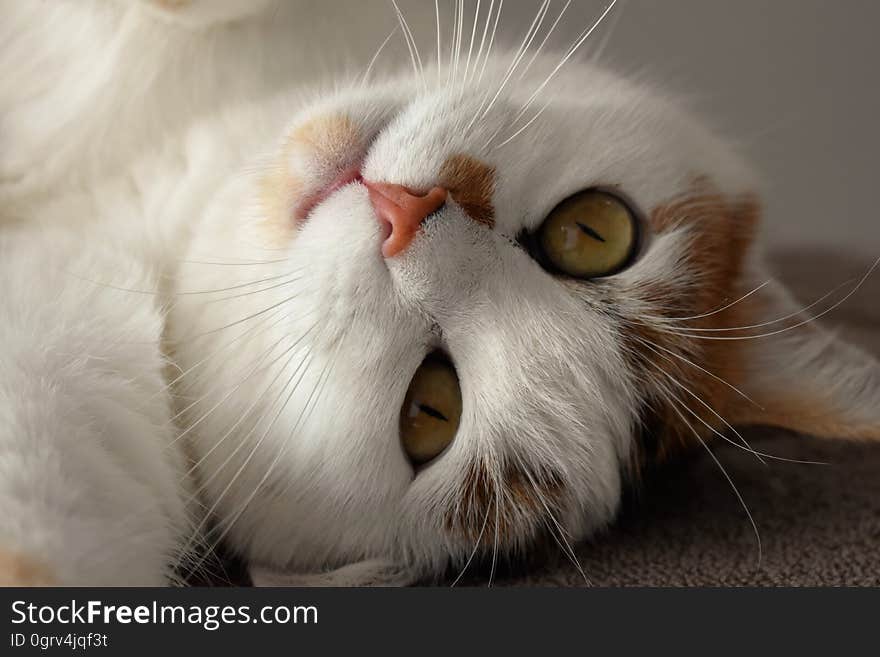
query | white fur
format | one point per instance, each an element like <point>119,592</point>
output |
<point>87,484</point>
<point>288,397</point>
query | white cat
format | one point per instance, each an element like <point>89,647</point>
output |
<point>410,320</point>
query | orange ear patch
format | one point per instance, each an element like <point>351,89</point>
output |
<point>471,183</point>
<point>17,570</point>
<point>678,369</point>
<point>809,416</point>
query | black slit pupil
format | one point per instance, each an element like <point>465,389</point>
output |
<point>433,412</point>
<point>589,231</point>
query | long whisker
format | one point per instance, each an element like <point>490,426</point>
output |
<point>745,445</point>
<point>547,36</point>
<point>732,485</point>
<point>306,412</point>
<point>301,369</point>
<point>722,308</point>
<point>467,66</point>
<point>439,52</point>
<point>521,52</point>
<point>450,73</point>
<point>243,263</point>
<point>482,39</point>
<point>739,392</point>
<point>772,321</point>
<point>218,499</point>
<point>566,547</point>
<point>476,547</point>
<point>239,321</point>
<point>495,540</point>
<point>521,130</point>
<point>491,40</point>
<point>606,38</point>
<point>792,327</point>
<point>264,325</point>
<point>410,44</point>
<point>232,390</point>
<point>158,293</point>
<point>259,367</point>
<point>459,35</point>
<point>574,48</point>
<point>376,56</point>
<point>241,295</point>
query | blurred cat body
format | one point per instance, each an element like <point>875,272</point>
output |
<point>91,86</point>
<point>210,344</point>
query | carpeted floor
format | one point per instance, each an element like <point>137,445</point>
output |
<point>819,524</point>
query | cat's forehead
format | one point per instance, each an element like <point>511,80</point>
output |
<point>514,147</point>
<point>585,127</point>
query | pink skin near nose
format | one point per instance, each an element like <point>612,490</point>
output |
<point>401,212</point>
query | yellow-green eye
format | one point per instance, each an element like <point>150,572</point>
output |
<point>589,234</point>
<point>431,410</point>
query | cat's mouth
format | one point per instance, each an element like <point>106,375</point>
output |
<point>347,176</point>
<point>431,410</point>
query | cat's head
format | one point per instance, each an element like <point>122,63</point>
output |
<point>455,312</point>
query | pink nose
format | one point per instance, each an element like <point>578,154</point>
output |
<point>401,212</point>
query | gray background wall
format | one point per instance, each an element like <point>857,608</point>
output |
<point>795,81</point>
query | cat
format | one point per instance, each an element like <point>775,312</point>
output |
<point>367,335</point>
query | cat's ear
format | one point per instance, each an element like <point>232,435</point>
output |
<point>805,378</point>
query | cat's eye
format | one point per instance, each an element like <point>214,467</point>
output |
<point>590,234</point>
<point>431,410</point>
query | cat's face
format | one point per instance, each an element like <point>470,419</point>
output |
<point>565,348</point>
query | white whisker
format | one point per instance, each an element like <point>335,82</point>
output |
<point>723,308</point>
<point>482,39</point>
<point>733,486</point>
<point>793,326</point>
<point>770,322</point>
<point>467,66</point>
<point>375,57</point>
<point>474,551</point>
<point>439,51</point>
<point>547,36</point>
<point>521,52</point>
<point>411,45</point>
<point>574,48</point>
<point>495,540</point>
<point>491,41</point>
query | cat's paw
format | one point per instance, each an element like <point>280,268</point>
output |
<point>19,570</point>
<point>365,573</point>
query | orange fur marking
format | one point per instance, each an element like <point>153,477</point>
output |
<point>328,145</point>
<point>522,504</point>
<point>472,184</point>
<point>330,138</point>
<point>809,416</point>
<point>17,570</point>
<point>722,231</point>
